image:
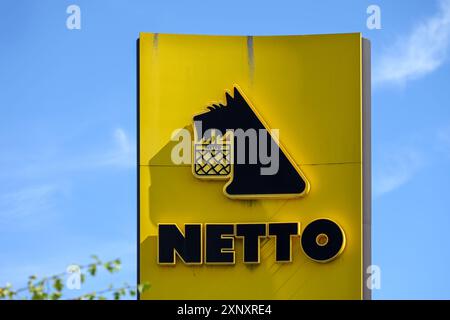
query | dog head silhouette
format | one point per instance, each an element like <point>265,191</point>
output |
<point>255,151</point>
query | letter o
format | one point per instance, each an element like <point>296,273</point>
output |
<point>323,240</point>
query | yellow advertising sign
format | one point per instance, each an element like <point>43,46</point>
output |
<point>254,166</point>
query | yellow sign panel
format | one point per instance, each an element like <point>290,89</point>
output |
<point>215,225</point>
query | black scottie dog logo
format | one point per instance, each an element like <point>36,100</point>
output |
<point>232,142</point>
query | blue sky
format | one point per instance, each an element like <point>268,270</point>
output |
<point>67,128</point>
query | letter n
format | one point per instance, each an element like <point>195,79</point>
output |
<point>171,241</point>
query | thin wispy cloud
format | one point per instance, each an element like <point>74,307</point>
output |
<point>118,153</point>
<point>418,53</point>
<point>396,169</point>
<point>122,155</point>
<point>27,204</point>
<point>44,181</point>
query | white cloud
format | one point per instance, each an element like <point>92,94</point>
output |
<point>419,53</point>
<point>37,205</point>
<point>118,153</point>
<point>35,202</point>
<point>396,169</point>
<point>26,203</point>
<point>122,155</point>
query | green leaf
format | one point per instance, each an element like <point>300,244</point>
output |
<point>109,267</point>
<point>112,266</point>
<point>116,295</point>
<point>55,296</point>
<point>142,287</point>
<point>39,294</point>
<point>92,269</point>
<point>90,296</point>
<point>58,285</point>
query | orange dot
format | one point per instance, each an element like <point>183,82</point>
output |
<point>322,239</point>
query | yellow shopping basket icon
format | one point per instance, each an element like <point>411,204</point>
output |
<point>212,157</point>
